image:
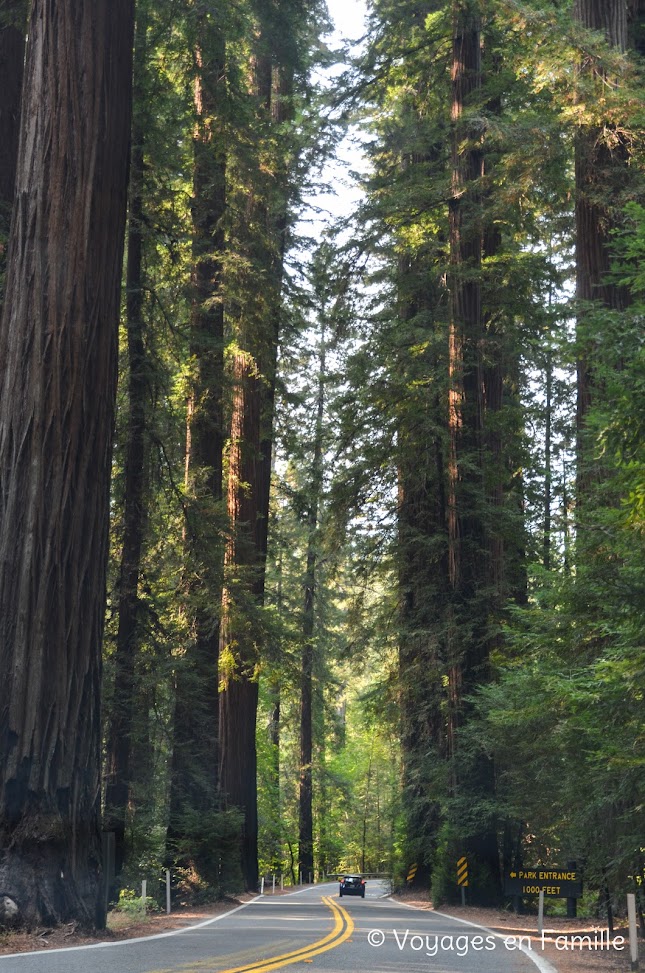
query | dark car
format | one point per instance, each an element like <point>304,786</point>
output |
<point>352,885</point>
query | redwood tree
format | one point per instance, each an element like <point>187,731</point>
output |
<point>601,171</point>
<point>119,734</point>
<point>195,743</point>
<point>58,344</point>
<point>12,52</point>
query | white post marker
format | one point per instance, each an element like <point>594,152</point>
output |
<point>301,878</point>
<point>262,885</point>
<point>168,891</point>
<point>633,938</point>
<point>273,893</point>
<point>281,882</point>
<point>144,892</point>
<point>541,912</point>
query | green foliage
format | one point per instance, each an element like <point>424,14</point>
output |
<point>213,840</point>
<point>135,906</point>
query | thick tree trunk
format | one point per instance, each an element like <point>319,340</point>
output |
<point>58,346</point>
<point>600,172</point>
<point>305,802</point>
<point>245,560</point>
<point>476,551</point>
<point>249,473</point>
<point>194,773</point>
<point>119,736</point>
<point>548,466</point>
<point>273,783</point>
<point>12,51</point>
<point>423,568</point>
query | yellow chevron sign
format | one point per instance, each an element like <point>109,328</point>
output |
<point>411,873</point>
<point>462,872</point>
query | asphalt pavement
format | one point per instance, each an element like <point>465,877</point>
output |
<point>311,929</point>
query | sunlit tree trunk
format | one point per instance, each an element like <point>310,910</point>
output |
<point>58,345</point>
<point>253,370</point>
<point>194,772</point>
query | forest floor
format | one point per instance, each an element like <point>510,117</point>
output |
<point>572,960</point>
<point>119,926</point>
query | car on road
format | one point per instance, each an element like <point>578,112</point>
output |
<point>352,885</point>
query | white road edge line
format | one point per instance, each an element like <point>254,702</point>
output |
<point>158,935</point>
<point>542,964</point>
<point>137,939</point>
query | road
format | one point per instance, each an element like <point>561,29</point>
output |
<point>312,929</point>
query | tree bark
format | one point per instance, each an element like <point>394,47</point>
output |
<point>58,345</point>
<point>119,737</point>
<point>194,772</point>
<point>250,456</point>
<point>305,798</point>
<point>600,172</point>
<point>12,51</point>
<point>244,561</point>
<point>476,554</point>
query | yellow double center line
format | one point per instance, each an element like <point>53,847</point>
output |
<point>343,928</point>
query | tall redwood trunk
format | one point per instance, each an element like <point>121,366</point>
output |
<point>120,729</point>
<point>58,345</point>
<point>194,772</point>
<point>465,408</point>
<point>12,51</point>
<point>249,464</point>
<point>600,171</point>
<point>245,582</point>
<point>423,566</point>
<point>476,388</point>
<point>305,795</point>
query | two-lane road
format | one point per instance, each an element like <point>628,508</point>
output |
<point>312,929</point>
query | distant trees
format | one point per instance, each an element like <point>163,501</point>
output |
<point>58,350</point>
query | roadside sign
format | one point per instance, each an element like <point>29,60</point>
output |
<point>462,872</point>
<point>411,873</point>
<point>560,883</point>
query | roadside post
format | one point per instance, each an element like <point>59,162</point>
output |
<point>572,902</point>
<point>633,935</point>
<point>541,912</point>
<point>262,885</point>
<point>273,893</point>
<point>168,891</point>
<point>144,893</point>
<point>462,877</point>
<point>281,882</point>
<point>108,853</point>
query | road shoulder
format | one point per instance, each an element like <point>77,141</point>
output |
<point>558,933</point>
<point>120,927</point>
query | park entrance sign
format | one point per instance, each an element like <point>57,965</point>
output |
<point>563,883</point>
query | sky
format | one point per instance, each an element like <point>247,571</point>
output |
<point>348,17</point>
